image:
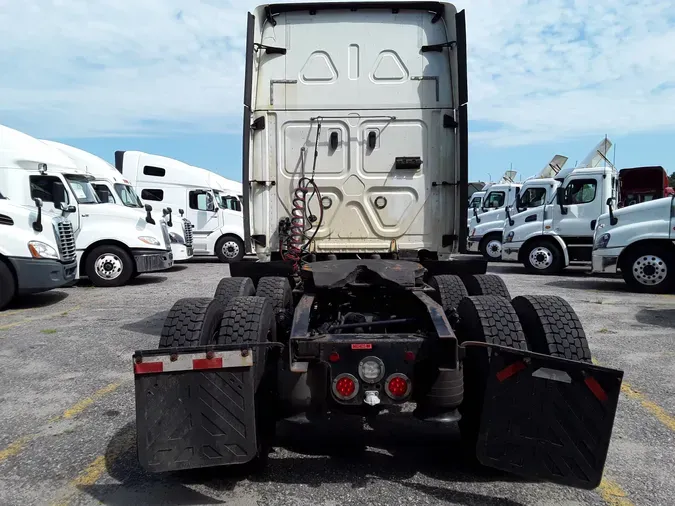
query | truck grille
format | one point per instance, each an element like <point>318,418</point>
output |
<point>165,233</point>
<point>66,240</point>
<point>187,232</point>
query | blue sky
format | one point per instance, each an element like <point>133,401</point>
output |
<point>165,76</point>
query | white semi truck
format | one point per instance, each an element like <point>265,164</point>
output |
<point>485,230</point>
<point>113,243</point>
<point>111,187</point>
<point>334,320</point>
<point>218,229</point>
<point>37,248</point>
<point>639,242</point>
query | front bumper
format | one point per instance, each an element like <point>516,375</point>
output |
<point>606,260</point>
<point>472,244</point>
<point>181,252</point>
<point>153,260</point>
<point>510,251</point>
<point>40,275</point>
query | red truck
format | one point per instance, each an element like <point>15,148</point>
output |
<point>641,184</point>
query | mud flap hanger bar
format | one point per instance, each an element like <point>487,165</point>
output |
<point>139,354</point>
<point>269,49</point>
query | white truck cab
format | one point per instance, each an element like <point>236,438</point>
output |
<point>487,230</point>
<point>37,249</point>
<point>218,227</point>
<point>489,222</point>
<point>113,243</point>
<point>638,241</point>
<point>111,187</point>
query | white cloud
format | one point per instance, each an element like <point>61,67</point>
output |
<point>538,70</point>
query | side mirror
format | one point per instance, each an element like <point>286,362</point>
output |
<point>148,216</point>
<point>237,205</point>
<point>66,208</point>
<point>169,222</point>
<point>475,215</point>
<point>37,224</point>
<point>508,216</point>
<point>519,203</point>
<point>181,212</point>
<point>560,199</point>
<point>613,220</point>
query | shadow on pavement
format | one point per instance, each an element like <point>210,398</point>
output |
<point>151,325</point>
<point>177,268</point>
<point>37,300</point>
<point>659,317</point>
<point>395,450</point>
<point>603,285</point>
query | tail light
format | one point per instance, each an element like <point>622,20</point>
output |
<point>398,386</point>
<point>345,387</point>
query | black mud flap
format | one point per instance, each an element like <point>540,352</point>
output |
<point>548,418</point>
<point>194,410</point>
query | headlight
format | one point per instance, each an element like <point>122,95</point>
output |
<point>509,237</point>
<point>148,239</point>
<point>41,250</point>
<point>175,238</point>
<point>602,241</point>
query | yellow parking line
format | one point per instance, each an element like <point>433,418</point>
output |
<point>613,494</point>
<point>43,317</point>
<point>17,446</point>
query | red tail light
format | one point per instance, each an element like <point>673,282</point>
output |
<point>398,386</point>
<point>334,357</point>
<point>345,387</point>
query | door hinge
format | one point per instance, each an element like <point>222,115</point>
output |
<point>264,183</point>
<point>443,183</point>
<point>439,47</point>
<point>449,121</point>
<point>258,123</point>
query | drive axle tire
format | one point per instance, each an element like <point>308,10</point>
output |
<point>552,327</point>
<point>191,322</point>
<point>278,291</point>
<point>7,285</point>
<point>449,292</point>
<point>486,284</point>
<point>109,265</point>
<point>649,269</point>
<point>491,320</point>
<point>233,287</point>
<point>229,248</point>
<point>251,320</point>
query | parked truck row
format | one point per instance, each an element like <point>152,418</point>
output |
<point>68,214</point>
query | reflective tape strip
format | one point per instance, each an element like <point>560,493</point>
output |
<point>193,362</point>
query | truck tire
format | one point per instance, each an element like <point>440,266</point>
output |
<point>450,290</point>
<point>492,320</point>
<point>491,247</point>
<point>278,291</point>
<point>552,327</point>
<point>230,248</point>
<point>191,322</point>
<point>251,320</point>
<point>7,285</point>
<point>649,268</point>
<point>543,257</point>
<point>233,287</point>
<point>108,266</point>
<point>486,284</point>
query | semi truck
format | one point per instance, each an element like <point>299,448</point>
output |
<point>113,244</point>
<point>355,175</point>
<point>111,187</point>
<point>642,184</point>
<point>215,213</point>
<point>37,249</point>
<point>639,242</point>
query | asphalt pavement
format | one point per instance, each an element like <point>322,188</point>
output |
<point>68,429</point>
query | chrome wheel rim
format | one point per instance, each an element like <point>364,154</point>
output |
<point>541,258</point>
<point>650,270</point>
<point>494,249</point>
<point>108,266</point>
<point>230,249</point>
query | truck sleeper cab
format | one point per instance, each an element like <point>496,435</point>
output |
<point>37,250</point>
<point>112,188</point>
<point>113,243</point>
<point>215,214</point>
<point>361,333</point>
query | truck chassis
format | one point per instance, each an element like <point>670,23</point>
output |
<point>359,336</point>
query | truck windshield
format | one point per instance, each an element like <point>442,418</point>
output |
<point>128,195</point>
<point>225,201</point>
<point>533,197</point>
<point>81,187</point>
<point>475,202</point>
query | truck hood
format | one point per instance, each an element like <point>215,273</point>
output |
<point>640,212</point>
